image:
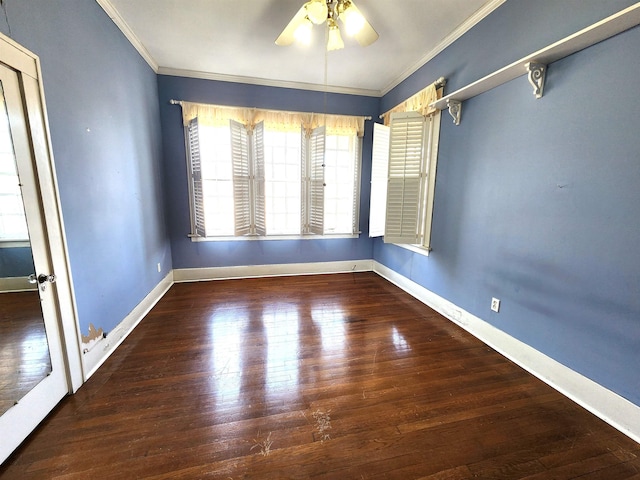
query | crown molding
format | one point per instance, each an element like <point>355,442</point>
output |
<point>463,28</point>
<point>113,14</point>
<point>177,72</point>
<point>126,30</point>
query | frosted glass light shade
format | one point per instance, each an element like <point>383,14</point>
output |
<point>302,34</point>
<point>317,11</point>
<point>335,40</point>
<point>353,20</point>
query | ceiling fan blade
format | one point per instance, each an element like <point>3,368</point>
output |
<point>367,35</point>
<point>286,37</point>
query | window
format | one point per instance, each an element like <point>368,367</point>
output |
<point>282,182</point>
<point>412,160</point>
<point>13,224</point>
<point>342,179</point>
<point>261,182</point>
<point>217,180</point>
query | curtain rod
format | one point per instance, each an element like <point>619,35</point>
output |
<point>439,83</point>
<point>179,102</point>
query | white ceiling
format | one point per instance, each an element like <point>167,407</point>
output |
<point>234,40</point>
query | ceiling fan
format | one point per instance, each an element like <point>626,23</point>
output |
<point>317,12</point>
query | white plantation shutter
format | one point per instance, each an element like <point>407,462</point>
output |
<point>316,180</point>
<point>379,170</point>
<point>433,128</point>
<point>259,217</point>
<point>195,172</point>
<point>304,184</point>
<point>405,188</point>
<point>357,166</point>
<point>241,178</point>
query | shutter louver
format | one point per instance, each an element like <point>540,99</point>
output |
<point>241,178</point>
<point>259,220</point>
<point>379,170</point>
<point>304,184</point>
<point>316,181</point>
<point>405,180</point>
<point>195,169</point>
<point>357,161</point>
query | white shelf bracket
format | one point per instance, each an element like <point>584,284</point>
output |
<point>455,109</point>
<point>537,74</point>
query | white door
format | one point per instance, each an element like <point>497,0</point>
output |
<point>34,367</point>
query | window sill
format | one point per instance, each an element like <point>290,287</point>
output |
<point>273,237</point>
<point>414,248</point>
<point>14,243</point>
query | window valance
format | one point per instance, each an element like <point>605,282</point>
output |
<point>419,102</point>
<point>218,115</point>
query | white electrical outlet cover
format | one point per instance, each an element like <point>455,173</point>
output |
<point>495,304</point>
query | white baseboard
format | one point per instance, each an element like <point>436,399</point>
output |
<point>605,404</point>
<point>16,284</point>
<point>98,353</point>
<point>277,270</point>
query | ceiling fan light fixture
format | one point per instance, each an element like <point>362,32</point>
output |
<point>335,39</point>
<point>352,19</point>
<point>302,33</point>
<point>317,11</point>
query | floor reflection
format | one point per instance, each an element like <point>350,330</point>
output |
<point>24,352</point>
<point>263,356</point>
<point>255,354</point>
<point>399,342</point>
<point>331,321</point>
<point>281,326</point>
<point>226,330</point>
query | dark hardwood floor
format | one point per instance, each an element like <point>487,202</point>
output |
<point>24,353</point>
<point>332,376</point>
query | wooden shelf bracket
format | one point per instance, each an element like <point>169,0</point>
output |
<point>455,110</point>
<point>537,74</point>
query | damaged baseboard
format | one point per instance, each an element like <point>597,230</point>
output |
<point>617,411</point>
<point>98,350</point>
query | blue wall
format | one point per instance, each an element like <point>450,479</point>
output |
<point>536,201</point>
<point>105,129</point>
<point>16,262</point>
<point>188,254</point>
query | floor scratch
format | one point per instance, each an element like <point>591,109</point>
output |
<point>263,444</point>
<point>323,423</point>
<point>374,361</point>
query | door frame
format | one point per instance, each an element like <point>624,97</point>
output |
<point>27,66</point>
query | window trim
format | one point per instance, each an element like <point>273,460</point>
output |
<point>252,238</point>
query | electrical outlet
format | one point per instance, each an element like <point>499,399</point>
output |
<point>495,304</point>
